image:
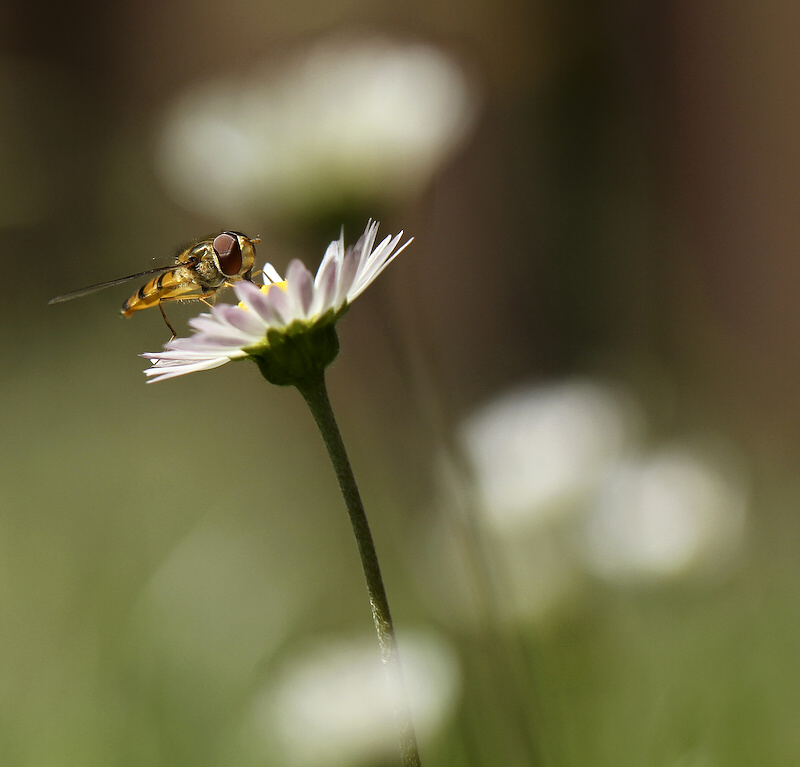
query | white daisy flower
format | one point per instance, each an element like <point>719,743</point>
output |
<point>287,325</point>
<point>349,117</point>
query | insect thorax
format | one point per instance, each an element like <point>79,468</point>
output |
<point>206,272</point>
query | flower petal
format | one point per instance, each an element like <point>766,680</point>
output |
<point>377,265</point>
<point>347,275</point>
<point>208,324</point>
<point>325,287</point>
<point>163,372</point>
<point>244,321</point>
<point>257,301</point>
<point>333,255</point>
<point>280,305</point>
<point>270,274</point>
<point>300,288</point>
<point>174,357</point>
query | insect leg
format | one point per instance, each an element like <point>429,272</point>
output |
<point>201,297</point>
<point>164,315</point>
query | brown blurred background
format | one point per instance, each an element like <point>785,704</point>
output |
<point>615,205</point>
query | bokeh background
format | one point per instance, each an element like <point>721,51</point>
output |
<point>571,403</point>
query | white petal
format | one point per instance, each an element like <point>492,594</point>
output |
<point>364,243</point>
<point>182,357</point>
<point>300,288</point>
<point>376,266</point>
<point>347,276</point>
<point>256,301</point>
<point>378,257</point>
<point>244,321</point>
<point>333,255</point>
<point>220,342</point>
<point>325,287</point>
<point>280,305</point>
<point>203,322</point>
<point>162,372</point>
<point>271,274</point>
<point>216,329</point>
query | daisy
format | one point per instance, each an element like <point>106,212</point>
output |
<point>286,325</point>
<point>288,328</point>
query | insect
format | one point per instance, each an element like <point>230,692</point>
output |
<point>198,273</point>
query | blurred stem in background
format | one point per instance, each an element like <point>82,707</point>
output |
<point>315,393</point>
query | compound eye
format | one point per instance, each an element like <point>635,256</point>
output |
<point>229,253</point>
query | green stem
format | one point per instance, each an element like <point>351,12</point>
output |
<point>315,394</point>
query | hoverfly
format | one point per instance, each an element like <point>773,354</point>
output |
<point>198,273</point>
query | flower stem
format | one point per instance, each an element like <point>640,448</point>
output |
<point>315,394</point>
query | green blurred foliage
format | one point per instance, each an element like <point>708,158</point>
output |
<point>621,209</point>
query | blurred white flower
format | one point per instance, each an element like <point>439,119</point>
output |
<point>535,452</point>
<point>560,484</point>
<point>665,514</point>
<point>361,119</point>
<point>332,705</point>
<point>535,455</point>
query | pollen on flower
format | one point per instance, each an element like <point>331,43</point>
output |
<point>283,284</point>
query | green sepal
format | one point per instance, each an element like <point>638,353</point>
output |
<point>297,353</point>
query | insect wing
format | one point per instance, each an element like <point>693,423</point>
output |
<point>110,284</point>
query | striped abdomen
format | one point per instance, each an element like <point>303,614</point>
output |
<point>168,285</point>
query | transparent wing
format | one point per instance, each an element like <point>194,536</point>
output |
<point>110,284</point>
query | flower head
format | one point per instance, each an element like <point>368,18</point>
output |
<point>286,326</point>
